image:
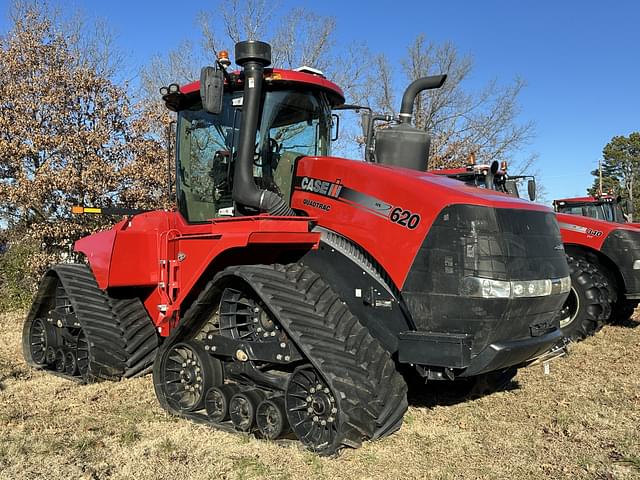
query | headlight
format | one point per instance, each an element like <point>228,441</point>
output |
<point>636,265</point>
<point>489,288</point>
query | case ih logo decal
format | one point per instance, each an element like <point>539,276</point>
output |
<point>321,187</point>
<point>580,229</point>
<point>339,192</point>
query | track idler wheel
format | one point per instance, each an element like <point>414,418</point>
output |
<point>271,418</point>
<point>217,402</point>
<point>311,408</point>
<point>41,336</point>
<point>242,409</point>
<point>186,374</point>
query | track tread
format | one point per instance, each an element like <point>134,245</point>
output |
<point>358,368</point>
<point>121,336</point>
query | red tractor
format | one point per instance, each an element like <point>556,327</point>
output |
<point>290,289</point>
<point>603,207</point>
<point>603,252</point>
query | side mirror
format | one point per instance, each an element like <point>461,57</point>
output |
<point>211,89</point>
<point>531,189</point>
<point>335,123</point>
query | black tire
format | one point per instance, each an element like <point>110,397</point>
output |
<point>623,310</point>
<point>588,305</point>
<point>371,395</point>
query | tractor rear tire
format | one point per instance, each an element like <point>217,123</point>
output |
<point>589,304</point>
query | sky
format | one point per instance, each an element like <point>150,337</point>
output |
<point>580,59</point>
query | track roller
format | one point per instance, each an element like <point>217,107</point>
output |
<point>242,409</point>
<point>58,362</point>
<point>271,418</point>
<point>70,364</point>
<point>217,400</point>
<point>50,356</point>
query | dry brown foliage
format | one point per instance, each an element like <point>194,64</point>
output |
<point>68,135</point>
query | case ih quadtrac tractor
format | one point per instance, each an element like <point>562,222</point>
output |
<point>603,253</point>
<point>290,288</point>
<point>603,207</point>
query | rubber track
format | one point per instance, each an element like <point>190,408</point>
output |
<point>140,337</point>
<point>373,395</point>
<point>93,310</point>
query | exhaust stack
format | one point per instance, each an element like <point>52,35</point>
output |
<point>404,145</point>
<point>253,56</point>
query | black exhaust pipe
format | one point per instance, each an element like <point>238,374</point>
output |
<point>412,91</point>
<point>253,56</point>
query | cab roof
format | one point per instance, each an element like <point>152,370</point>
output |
<point>604,198</point>
<point>276,76</point>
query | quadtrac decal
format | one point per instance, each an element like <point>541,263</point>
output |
<point>580,229</point>
<point>337,191</point>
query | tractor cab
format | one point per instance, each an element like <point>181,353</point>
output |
<point>603,207</point>
<point>293,120</point>
<point>493,177</point>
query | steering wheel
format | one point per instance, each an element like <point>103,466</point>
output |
<point>270,149</point>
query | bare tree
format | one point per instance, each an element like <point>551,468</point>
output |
<point>461,121</point>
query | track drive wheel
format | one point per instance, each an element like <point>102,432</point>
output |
<point>588,304</point>
<point>183,374</point>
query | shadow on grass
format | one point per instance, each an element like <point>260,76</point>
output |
<point>445,393</point>
<point>628,323</point>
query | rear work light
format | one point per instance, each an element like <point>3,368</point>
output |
<point>490,288</point>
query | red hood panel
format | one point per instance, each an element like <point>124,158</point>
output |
<point>386,210</point>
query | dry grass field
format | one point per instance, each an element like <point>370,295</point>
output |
<point>580,421</point>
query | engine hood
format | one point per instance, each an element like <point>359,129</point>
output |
<point>386,210</point>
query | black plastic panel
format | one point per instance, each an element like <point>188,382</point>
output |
<point>623,247</point>
<point>502,244</point>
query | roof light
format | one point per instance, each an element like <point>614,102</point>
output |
<point>164,91</point>
<point>471,159</point>
<point>503,166</point>
<point>311,70</point>
<point>174,88</point>
<point>223,58</point>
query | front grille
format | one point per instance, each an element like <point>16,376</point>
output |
<point>502,244</point>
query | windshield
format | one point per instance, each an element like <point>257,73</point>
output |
<point>610,211</point>
<point>293,124</point>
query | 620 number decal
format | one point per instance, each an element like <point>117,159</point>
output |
<point>404,218</point>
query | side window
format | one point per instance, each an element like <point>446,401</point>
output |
<point>204,148</point>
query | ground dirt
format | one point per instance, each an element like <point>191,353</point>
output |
<point>580,421</point>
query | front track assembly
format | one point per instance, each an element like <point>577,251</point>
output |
<point>274,351</point>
